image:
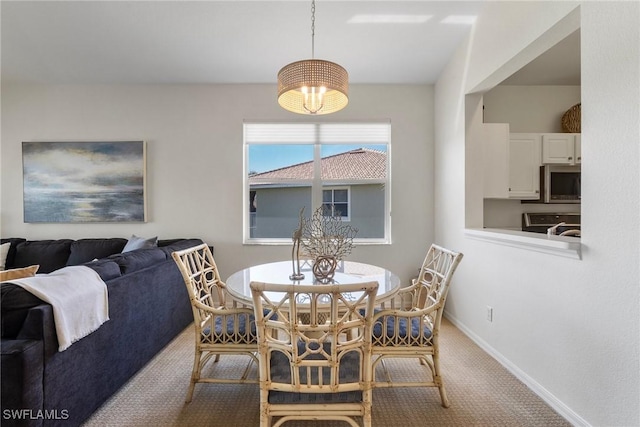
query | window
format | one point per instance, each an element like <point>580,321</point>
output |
<point>343,168</point>
<point>335,202</point>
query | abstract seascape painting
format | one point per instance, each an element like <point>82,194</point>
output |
<point>84,181</point>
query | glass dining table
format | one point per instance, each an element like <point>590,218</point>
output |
<point>279,272</point>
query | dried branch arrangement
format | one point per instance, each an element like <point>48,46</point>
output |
<point>327,236</point>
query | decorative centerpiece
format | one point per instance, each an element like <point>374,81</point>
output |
<point>326,240</point>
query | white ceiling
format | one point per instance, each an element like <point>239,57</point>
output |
<point>224,41</point>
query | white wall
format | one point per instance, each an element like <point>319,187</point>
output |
<point>529,108</point>
<point>194,147</point>
<point>568,328</point>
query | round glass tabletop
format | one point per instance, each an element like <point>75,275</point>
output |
<point>346,272</point>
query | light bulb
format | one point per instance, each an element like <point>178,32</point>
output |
<point>314,101</point>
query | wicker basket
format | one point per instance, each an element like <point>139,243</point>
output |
<point>571,120</point>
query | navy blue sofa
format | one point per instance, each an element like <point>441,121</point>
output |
<point>148,307</point>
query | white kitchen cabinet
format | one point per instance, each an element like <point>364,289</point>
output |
<point>524,166</point>
<point>495,143</point>
<point>561,148</point>
<point>511,163</point>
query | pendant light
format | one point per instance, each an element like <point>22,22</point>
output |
<point>313,86</point>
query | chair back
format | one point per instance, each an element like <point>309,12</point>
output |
<point>201,276</point>
<point>208,294</point>
<point>435,277</point>
<point>303,337</point>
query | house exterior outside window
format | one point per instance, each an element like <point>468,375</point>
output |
<point>335,202</point>
<point>345,168</point>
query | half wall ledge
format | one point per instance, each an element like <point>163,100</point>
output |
<point>569,247</point>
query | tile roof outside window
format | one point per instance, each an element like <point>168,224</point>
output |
<point>362,163</point>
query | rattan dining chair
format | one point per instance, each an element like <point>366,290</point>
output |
<point>222,324</point>
<point>309,369</point>
<point>410,327</point>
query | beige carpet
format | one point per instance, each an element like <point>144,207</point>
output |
<point>481,391</point>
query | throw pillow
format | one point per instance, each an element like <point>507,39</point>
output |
<point>4,251</point>
<point>18,273</point>
<point>136,242</point>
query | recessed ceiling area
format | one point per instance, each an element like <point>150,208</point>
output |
<point>560,65</point>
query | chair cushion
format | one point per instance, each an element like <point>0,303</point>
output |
<point>390,337</point>
<point>281,373</point>
<point>226,334</point>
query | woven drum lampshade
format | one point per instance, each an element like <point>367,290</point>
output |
<point>313,86</point>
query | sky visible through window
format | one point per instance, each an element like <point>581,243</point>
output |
<point>263,157</point>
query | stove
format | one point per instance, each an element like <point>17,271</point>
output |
<point>539,222</point>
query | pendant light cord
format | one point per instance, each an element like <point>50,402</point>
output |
<point>313,27</point>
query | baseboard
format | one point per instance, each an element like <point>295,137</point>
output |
<point>538,389</point>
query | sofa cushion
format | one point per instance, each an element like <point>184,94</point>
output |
<point>15,302</point>
<point>179,245</point>
<point>22,379</point>
<point>49,254</point>
<point>107,269</point>
<point>138,259</point>
<point>85,250</point>
<point>167,242</point>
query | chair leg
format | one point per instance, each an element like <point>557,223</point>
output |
<point>195,375</point>
<point>437,378</point>
<point>366,416</point>
<point>387,374</point>
<point>443,396</point>
<point>265,419</point>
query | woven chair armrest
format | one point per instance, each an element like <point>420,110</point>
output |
<point>403,297</point>
<point>222,310</point>
<point>408,289</point>
<point>233,303</point>
<point>406,313</point>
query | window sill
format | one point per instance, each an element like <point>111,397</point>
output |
<point>289,242</point>
<point>569,247</point>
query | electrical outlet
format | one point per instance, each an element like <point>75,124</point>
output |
<point>489,313</point>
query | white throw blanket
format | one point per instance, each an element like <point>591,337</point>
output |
<point>79,299</point>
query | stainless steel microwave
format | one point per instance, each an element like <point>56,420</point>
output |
<point>562,184</point>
